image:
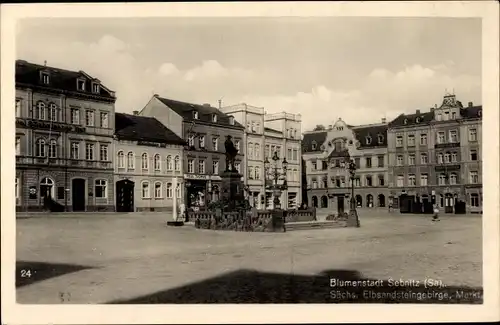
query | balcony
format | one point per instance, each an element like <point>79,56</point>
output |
<point>447,167</point>
<point>49,125</point>
<point>447,145</point>
<point>62,162</point>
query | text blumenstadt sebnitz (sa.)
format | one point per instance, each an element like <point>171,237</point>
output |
<point>426,283</point>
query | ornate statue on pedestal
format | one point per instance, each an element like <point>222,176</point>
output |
<point>231,153</point>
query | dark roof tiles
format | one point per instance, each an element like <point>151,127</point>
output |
<point>142,128</point>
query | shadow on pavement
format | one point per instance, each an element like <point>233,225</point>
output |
<point>30,272</point>
<point>246,286</point>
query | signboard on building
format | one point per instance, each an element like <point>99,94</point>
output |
<point>202,177</point>
<point>151,144</point>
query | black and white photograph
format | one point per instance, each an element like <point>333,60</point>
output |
<point>201,159</point>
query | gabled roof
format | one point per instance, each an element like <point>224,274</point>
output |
<point>310,138</point>
<point>142,128</point>
<point>29,74</point>
<point>472,112</point>
<point>205,112</point>
<point>374,132</point>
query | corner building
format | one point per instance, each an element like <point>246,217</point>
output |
<point>436,156</point>
<point>64,138</point>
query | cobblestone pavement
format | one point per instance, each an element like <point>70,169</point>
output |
<point>122,258</point>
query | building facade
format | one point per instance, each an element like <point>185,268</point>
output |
<point>325,153</point>
<point>64,138</point>
<point>435,156</point>
<point>205,129</point>
<point>265,134</point>
<point>149,169</point>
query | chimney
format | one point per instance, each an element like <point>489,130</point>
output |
<point>418,111</point>
<point>432,109</point>
<point>384,120</point>
<point>206,105</point>
<point>470,104</point>
<point>220,103</point>
<point>156,95</point>
<point>135,112</point>
<point>330,127</point>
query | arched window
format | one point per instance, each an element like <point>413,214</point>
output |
<point>178,190</point>
<point>368,140</point>
<point>157,160</point>
<point>441,200</point>
<point>130,160</point>
<point>52,112</point>
<point>121,159</point>
<point>359,201</point>
<point>442,179</point>
<point>145,161</point>
<point>40,110</point>
<point>169,190</point>
<point>257,151</point>
<point>314,200</point>
<point>380,139</point>
<point>440,158</point>
<point>40,148</point>
<point>453,178</point>
<point>447,157</point>
<point>381,200</point>
<point>369,201</point>
<point>145,190</point>
<point>169,162</point>
<point>324,201</point>
<point>177,164</point>
<point>47,187</point>
<point>158,191</point>
<point>53,149</point>
<point>250,150</point>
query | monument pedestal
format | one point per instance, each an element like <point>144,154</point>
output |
<point>232,189</point>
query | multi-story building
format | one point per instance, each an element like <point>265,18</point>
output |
<point>64,137</point>
<point>325,153</point>
<point>265,134</point>
<point>205,129</point>
<point>148,164</point>
<point>437,154</point>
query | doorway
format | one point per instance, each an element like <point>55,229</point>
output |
<point>340,204</point>
<point>78,194</point>
<point>125,196</point>
<point>449,202</point>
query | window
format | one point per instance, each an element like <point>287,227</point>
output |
<point>158,194</point>
<point>446,116</point>
<point>45,78</point>
<point>400,181</point>
<point>381,180</point>
<point>267,151</point>
<point>75,116</point>
<point>474,199</point>
<point>411,140</point>
<point>438,117</point>
<point>104,152</point>
<point>89,118</point>
<point>453,157</point>
<point>52,112</point>
<point>17,188</point>
<point>314,145</point>
<point>100,189</point>
<point>169,191</point>
<point>423,139</point>
<point>75,150</point>
<point>295,155</point>
<point>453,115</point>
<point>257,151</point>
<point>368,162</point>
<point>130,160</point>
<point>195,115</point>
<point>440,158</point>
<point>18,146</point>
<point>231,120</point>
<point>250,172</point>
<point>178,191</point>
<point>52,149</point>
<point>453,136</point>
<point>442,179</point>
<point>314,165</point>
<point>257,172</point>
<point>238,167</point>
<point>215,144</point>
<point>424,159</point>
<point>145,190</point>
<point>472,135</point>
<point>95,88</point>
<point>357,161</point>
<point>190,166</point>
<point>278,150</point>
<point>214,118</point>
<point>191,140</point>
<point>40,148</point>
<point>202,141</point>
<point>144,161</point>
<point>399,141</point>
<point>440,138</point>
<point>104,119</point>
<point>411,159</point>
<point>80,84</point>
<point>473,155</point>
<point>177,164</point>
<point>369,181</point>
<point>453,179</point>
<point>121,159</point>
<point>215,167</point>
<point>380,139</point>
<point>157,162</point>
<point>47,187</point>
<point>474,177</point>
<point>237,145</point>
<point>250,151</point>
<point>447,157</point>
<point>40,110</point>
<point>412,181</point>
<point>400,161</point>
<point>423,179</point>
<point>380,161</point>
<point>18,107</point>
<point>201,166</point>
<point>169,162</point>
<point>368,140</point>
<point>89,151</point>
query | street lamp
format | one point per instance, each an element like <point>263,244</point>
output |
<point>352,219</point>
<point>273,174</point>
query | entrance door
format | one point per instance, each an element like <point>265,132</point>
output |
<point>448,203</point>
<point>78,194</point>
<point>125,196</point>
<point>340,204</point>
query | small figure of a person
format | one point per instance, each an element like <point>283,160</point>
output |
<point>435,217</point>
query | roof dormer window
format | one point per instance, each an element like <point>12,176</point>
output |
<point>368,140</point>
<point>405,121</point>
<point>214,118</point>
<point>45,77</point>
<point>80,84</point>
<point>195,115</point>
<point>95,88</point>
<point>314,145</point>
<point>380,139</point>
<point>479,112</point>
<point>417,120</point>
<point>231,120</point>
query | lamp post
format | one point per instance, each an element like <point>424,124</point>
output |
<point>274,174</point>
<point>352,220</point>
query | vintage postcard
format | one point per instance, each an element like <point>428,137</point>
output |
<point>250,162</point>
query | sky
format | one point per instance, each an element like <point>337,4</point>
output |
<point>360,69</point>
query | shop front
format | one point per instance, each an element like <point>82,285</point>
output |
<point>201,190</point>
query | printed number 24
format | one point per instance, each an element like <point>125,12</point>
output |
<point>25,273</point>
